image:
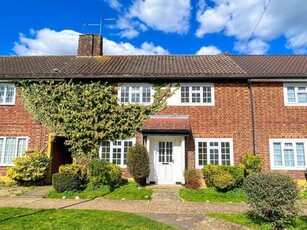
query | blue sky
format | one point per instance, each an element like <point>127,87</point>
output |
<point>51,27</point>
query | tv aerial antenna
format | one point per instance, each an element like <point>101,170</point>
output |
<point>100,24</point>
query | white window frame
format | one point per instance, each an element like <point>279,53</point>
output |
<point>296,86</point>
<point>5,94</point>
<point>112,145</point>
<point>283,141</point>
<point>201,85</point>
<point>15,153</point>
<point>141,85</point>
<point>219,140</point>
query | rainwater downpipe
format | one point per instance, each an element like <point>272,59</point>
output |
<point>253,115</point>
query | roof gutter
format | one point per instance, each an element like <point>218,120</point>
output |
<point>278,80</point>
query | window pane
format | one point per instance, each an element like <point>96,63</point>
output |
<point>207,94</point>
<point>127,145</point>
<point>277,154</point>
<point>22,142</point>
<point>161,152</point>
<point>105,150</point>
<point>202,153</point>
<point>300,153</point>
<point>214,156</point>
<point>185,94</point>
<point>225,153</point>
<point>289,157</point>
<point>124,94</point>
<point>302,98</point>
<point>10,149</point>
<point>2,89</point>
<point>196,94</point>
<point>1,148</point>
<point>291,94</point>
<point>116,156</point>
<point>146,94</point>
<point>10,91</point>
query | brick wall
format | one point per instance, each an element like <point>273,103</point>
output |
<point>16,121</point>
<point>230,117</point>
<point>275,120</point>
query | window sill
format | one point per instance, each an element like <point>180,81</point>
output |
<point>303,168</point>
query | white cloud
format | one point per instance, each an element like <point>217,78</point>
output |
<point>255,46</point>
<point>47,42</point>
<point>171,16</point>
<point>208,50</point>
<point>114,4</point>
<point>65,42</point>
<point>238,18</point>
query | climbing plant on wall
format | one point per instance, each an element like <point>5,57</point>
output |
<point>86,113</point>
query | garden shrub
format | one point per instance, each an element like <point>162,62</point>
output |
<point>102,173</point>
<point>66,181</point>
<point>251,163</point>
<point>223,177</point>
<point>138,163</point>
<point>73,168</point>
<point>30,169</point>
<point>192,178</point>
<point>273,197</point>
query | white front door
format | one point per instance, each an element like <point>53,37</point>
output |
<point>167,157</point>
<point>165,161</point>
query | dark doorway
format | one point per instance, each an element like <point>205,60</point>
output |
<point>60,154</point>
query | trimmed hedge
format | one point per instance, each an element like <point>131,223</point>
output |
<point>223,177</point>
<point>66,181</point>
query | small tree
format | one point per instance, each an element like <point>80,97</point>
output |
<point>138,163</point>
<point>272,197</point>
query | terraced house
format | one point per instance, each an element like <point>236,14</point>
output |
<point>224,107</point>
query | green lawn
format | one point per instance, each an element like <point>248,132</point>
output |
<point>249,221</point>
<point>129,191</point>
<point>212,195</point>
<point>20,218</point>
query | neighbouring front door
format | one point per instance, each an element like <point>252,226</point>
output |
<point>167,156</point>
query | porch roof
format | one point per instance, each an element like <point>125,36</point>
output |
<point>167,124</point>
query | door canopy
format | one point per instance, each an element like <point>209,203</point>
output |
<point>167,124</point>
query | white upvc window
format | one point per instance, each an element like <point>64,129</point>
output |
<point>116,151</point>
<point>288,154</point>
<point>197,94</point>
<point>218,151</point>
<point>295,94</point>
<point>10,148</point>
<point>7,94</point>
<point>135,93</point>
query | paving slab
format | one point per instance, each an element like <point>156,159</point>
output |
<point>17,201</point>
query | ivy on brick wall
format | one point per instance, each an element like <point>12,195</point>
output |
<point>87,113</point>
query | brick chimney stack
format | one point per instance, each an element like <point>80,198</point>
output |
<point>90,45</point>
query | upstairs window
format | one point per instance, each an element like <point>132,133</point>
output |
<point>115,151</point>
<point>10,148</point>
<point>135,93</point>
<point>7,94</point>
<point>197,94</point>
<point>213,151</point>
<point>295,94</point>
<point>288,153</point>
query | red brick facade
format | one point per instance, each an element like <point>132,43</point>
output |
<point>230,117</point>
<point>16,121</point>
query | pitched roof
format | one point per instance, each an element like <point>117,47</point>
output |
<point>180,66</point>
<point>272,65</point>
<point>153,66</point>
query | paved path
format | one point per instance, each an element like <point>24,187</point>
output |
<point>165,207</point>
